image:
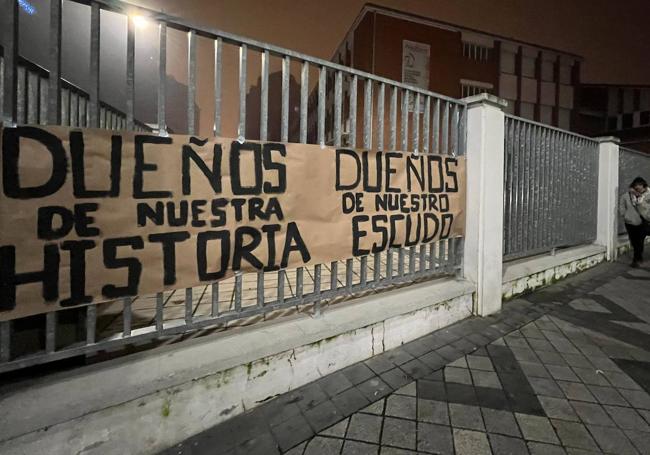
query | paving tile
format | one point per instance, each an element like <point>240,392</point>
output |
<point>324,446</point>
<point>416,369</point>
<point>506,445</point>
<point>435,438</point>
<point>536,370</point>
<point>374,389</point>
<point>548,387</point>
<point>492,398</point>
<point>608,395</point>
<point>640,440</point>
<point>477,362</point>
<point>417,348</point>
<point>479,339</point>
<point>541,345</point>
<point>379,363</point>
<point>432,411</point>
<point>297,450</point>
<point>501,422</point>
<point>396,378</point>
<point>323,416</point>
<point>408,390</point>
<point>591,350</point>
<point>592,413</point>
<point>449,353</point>
<point>277,412</point>
<point>576,391</point>
<point>574,434</point>
<point>399,356</point>
<point>535,428</point>
<point>516,342</point>
<point>526,404</point>
<point>433,360</point>
<point>627,418</point>
<point>638,398</point>
<point>398,433</point>
<point>562,373</point>
<point>524,354</point>
<point>359,448</point>
<point>350,401</point>
<point>551,358</point>
<point>469,442</point>
<point>337,430</point>
<point>261,444</point>
<point>376,408</point>
<point>532,332</point>
<point>386,450</point>
<point>401,406</point>
<point>538,448</point>
<point>564,346</point>
<point>459,375</point>
<point>558,408</point>
<point>486,379</point>
<point>612,440</point>
<point>310,395</point>
<point>461,393</point>
<point>431,390</point>
<point>364,427</point>
<point>591,376</point>
<point>334,383</point>
<point>464,345</point>
<point>621,380</point>
<point>292,432</point>
<point>464,416</point>
<point>603,363</point>
<point>435,376</point>
<point>577,360</point>
<point>458,363</point>
<point>358,373</point>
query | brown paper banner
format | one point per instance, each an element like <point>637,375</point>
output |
<point>90,215</point>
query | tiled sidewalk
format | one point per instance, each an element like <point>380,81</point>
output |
<point>564,371</point>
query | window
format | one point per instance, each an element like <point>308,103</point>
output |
<point>471,88</point>
<point>628,120</point>
<point>476,52</point>
<point>645,117</point>
<point>612,123</point>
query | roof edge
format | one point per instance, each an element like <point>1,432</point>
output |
<point>373,7</point>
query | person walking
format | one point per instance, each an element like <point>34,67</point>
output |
<point>634,207</point>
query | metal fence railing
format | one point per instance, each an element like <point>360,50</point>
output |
<point>551,188</point>
<point>631,164</point>
<point>32,88</point>
<point>350,108</point>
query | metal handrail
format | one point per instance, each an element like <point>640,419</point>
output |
<point>440,128</point>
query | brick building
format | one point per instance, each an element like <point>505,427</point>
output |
<point>616,110</point>
<point>539,83</point>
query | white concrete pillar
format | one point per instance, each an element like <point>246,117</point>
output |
<point>483,252</point>
<point>607,228</point>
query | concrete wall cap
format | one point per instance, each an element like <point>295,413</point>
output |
<point>485,99</point>
<point>602,139</point>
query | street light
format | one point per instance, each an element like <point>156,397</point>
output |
<point>140,21</point>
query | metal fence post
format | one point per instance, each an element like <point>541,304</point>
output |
<point>607,227</point>
<point>482,256</point>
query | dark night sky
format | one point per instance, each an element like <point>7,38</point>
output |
<point>612,36</point>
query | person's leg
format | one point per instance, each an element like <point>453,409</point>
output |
<point>642,236</point>
<point>634,233</point>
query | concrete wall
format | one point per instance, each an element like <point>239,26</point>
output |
<point>150,401</point>
<point>528,274</point>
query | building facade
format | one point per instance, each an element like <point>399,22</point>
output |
<point>539,83</point>
<point>615,110</point>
